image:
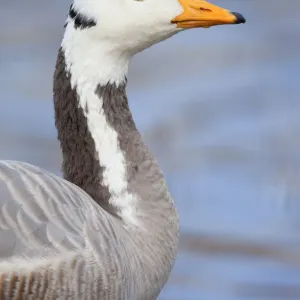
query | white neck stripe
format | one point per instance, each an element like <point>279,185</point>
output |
<point>86,75</point>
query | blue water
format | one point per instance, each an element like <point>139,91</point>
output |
<point>220,109</point>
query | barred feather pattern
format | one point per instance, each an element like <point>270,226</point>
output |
<point>53,238</point>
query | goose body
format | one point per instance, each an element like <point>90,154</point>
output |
<point>109,229</point>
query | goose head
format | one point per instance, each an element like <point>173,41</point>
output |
<point>130,26</point>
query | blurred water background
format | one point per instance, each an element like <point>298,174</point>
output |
<point>219,108</point>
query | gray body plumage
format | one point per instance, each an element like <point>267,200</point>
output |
<point>109,230</point>
<point>62,238</point>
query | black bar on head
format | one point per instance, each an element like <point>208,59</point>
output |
<point>80,21</point>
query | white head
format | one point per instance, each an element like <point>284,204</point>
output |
<point>134,25</point>
<point>120,28</point>
<point>131,25</point>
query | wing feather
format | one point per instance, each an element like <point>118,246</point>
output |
<point>40,213</point>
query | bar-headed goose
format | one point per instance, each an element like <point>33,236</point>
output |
<point>109,229</point>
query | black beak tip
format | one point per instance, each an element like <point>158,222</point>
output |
<point>239,18</point>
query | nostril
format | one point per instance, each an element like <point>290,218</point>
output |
<point>205,9</point>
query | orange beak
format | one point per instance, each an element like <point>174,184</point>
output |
<point>200,13</point>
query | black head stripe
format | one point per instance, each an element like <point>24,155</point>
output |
<point>80,21</point>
